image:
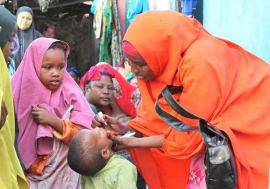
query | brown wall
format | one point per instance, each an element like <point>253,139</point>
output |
<point>77,31</point>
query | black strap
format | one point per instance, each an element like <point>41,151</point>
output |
<point>167,95</point>
<point>169,119</point>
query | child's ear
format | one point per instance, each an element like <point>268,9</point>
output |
<point>105,153</point>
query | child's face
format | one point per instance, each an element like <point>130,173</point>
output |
<point>8,48</point>
<point>100,92</point>
<point>50,32</point>
<point>52,68</point>
<point>75,77</point>
<point>101,136</point>
<point>24,20</point>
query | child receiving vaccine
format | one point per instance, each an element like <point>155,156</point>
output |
<point>99,166</point>
<point>51,108</point>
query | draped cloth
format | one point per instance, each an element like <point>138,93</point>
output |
<point>29,92</point>
<point>57,174</point>
<point>222,83</point>
<point>11,174</point>
<point>7,21</point>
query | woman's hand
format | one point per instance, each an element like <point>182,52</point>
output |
<point>124,143</point>
<point>4,113</point>
<point>109,123</point>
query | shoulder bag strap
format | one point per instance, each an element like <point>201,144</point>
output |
<point>169,119</point>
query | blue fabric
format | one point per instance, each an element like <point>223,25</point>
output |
<point>11,68</point>
<point>187,6</point>
<point>16,45</point>
<point>72,69</point>
<point>136,7</point>
<point>93,7</point>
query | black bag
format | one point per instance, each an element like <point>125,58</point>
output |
<point>220,169</point>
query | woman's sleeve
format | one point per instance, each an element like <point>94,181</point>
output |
<point>203,93</point>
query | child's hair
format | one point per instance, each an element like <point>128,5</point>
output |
<point>85,158</point>
<point>74,70</point>
<point>47,26</point>
<point>58,45</point>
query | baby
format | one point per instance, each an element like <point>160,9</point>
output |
<point>90,154</point>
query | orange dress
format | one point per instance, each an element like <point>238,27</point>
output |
<point>223,84</point>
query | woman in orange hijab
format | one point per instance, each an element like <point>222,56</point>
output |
<point>223,84</point>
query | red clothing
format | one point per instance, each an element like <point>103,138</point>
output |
<point>223,84</point>
<point>126,95</point>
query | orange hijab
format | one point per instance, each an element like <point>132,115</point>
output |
<point>222,83</point>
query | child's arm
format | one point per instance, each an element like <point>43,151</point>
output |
<point>44,117</point>
<point>69,130</point>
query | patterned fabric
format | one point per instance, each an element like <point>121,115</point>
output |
<point>106,33</point>
<point>196,177</point>
<point>116,44</point>
<point>119,173</point>
<point>97,10</point>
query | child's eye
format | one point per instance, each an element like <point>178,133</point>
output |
<point>61,67</point>
<point>48,67</point>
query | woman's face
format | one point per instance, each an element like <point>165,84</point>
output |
<point>100,92</point>
<point>140,68</point>
<point>24,20</point>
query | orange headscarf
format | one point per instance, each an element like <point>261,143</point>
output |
<point>222,83</point>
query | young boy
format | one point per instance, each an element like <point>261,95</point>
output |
<point>90,154</point>
<point>75,74</point>
<point>49,31</point>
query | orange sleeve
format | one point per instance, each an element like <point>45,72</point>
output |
<point>69,130</point>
